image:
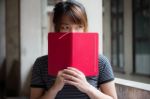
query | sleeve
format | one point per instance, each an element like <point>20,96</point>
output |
<point>105,70</point>
<point>36,79</point>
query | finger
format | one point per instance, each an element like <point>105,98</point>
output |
<point>70,82</point>
<point>71,72</point>
<point>71,78</point>
<point>76,70</point>
<point>60,73</point>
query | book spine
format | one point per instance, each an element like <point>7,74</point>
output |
<point>72,48</point>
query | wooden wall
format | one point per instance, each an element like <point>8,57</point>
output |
<point>125,92</point>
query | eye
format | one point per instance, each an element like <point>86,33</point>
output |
<point>64,27</point>
<point>80,26</point>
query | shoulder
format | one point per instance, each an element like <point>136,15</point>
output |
<point>42,58</point>
<point>103,60</point>
<point>41,61</point>
<point>39,72</point>
<point>105,70</point>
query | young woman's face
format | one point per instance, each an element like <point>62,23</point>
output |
<point>67,25</point>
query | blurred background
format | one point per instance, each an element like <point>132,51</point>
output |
<point>124,37</point>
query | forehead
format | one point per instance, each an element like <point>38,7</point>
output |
<point>71,19</point>
<point>67,19</point>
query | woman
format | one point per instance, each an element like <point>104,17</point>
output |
<point>70,83</point>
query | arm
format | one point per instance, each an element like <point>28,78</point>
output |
<point>106,91</point>
<point>40,93</point>
<point>77,78</point>
<point>36,93</point>
<point>109,89</point>
<point>107,86</point>
<point>37,90</point>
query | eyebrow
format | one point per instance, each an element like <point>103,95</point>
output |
<point>64,24</point>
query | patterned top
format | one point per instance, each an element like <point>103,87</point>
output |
<point>41,79</point>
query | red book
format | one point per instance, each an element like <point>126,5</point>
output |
<point>78,50</point>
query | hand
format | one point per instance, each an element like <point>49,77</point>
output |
<point>76,78</point>
<point>59,82</point>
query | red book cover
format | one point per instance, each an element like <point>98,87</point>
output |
<point>78,50</point>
